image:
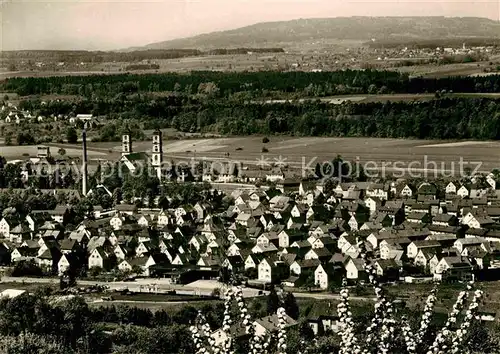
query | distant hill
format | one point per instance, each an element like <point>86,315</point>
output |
<point>340,28</point>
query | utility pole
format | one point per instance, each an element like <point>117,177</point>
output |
<point>84,162</point>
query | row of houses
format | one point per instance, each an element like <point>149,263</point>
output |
<point>11,114</point>
<point>298,239</point>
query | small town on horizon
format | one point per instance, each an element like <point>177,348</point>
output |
<point>324,185</point>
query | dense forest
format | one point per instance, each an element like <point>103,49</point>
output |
<point>306,84</point>
<point>77,56</point>
<point>444,118</point>
<point>233,103</point>
<point>438,119</point>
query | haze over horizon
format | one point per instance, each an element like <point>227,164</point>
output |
<point>118,24</point>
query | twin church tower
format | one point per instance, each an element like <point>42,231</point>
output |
<point>156,159</point>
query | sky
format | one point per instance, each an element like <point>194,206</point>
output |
<point>116,24</point>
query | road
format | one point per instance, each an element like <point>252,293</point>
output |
<point>202,287</point>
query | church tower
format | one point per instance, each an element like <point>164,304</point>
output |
<point>157,151</point>
<point>126,143</point>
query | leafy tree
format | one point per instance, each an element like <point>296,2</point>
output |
<point>95,271</point>
<point>225,275</point>
<point>25,138</point>
<point>306,332</point>
<point>31,344</point>
<point>25,269</point>
<point>71,135</point>
<point>273,302</point>
<point>290,306</point>
<point>8,138</point>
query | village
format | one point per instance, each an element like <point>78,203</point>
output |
<point>276,230</point>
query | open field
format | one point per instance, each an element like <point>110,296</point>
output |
<point>437,71</point>
<point>373,153</point>
<point>310,303</point>
<point>298,152</point>
<point>339,99</point>
<point>419,97</point>
<point>317,56</point>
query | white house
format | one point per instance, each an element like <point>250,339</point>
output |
<point>321,277</point>
<point>265,270</point>
<point>451,188</point>
<point>406,191</point>
<point>354,268</point>
<point>463,192</point>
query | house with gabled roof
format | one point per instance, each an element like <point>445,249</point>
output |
<point>324,274</point>
<point>373,203</point>
<point>67,262</point>
<point>462,243</point>
<point>419,217</point>
<point>101,258</point>
<point>68,245</point>
<point>197,242</point>
<point>299,267</point>
<point>298,210</point>
<point>404,190</point>
<point>354,269</point>
<point>326,241</point>
<point>211,262</point>
<point>318,253</point>
<point>253,260</point>
<point>23,254</point>
<point>272,270</point>
<point>121,251</point>
<point>451,187</point>
<point>388,269</point>
<point>446,240</point>
<point>477,221</point>
<point>424,256</point>
<point>346,241</point>
<point>414,247</point>
<point>264,248</point>
<point>98,241</point>
<point>444,219</point>
<point>155,259</point>
<point>393,248</point>
<point>182,259</point>
<point>35,220</point>
<point>19,233</point>
<point>287,237</point>
<point>234,263</point>
<point>268,237</point>
<point>7,223</point>
<point>49,259</point>
<point>377,190</point>
<point>128,265</point>
<point>456,267</point>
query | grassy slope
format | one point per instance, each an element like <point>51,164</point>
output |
<point>341,28</point>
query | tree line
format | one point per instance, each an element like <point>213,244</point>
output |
<point>77,56</point>
<point>443,118</point>
<point>448,118</point>
<point>227,83</point>
<point>41,323</point>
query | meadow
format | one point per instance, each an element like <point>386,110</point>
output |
<point>298,152</point>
